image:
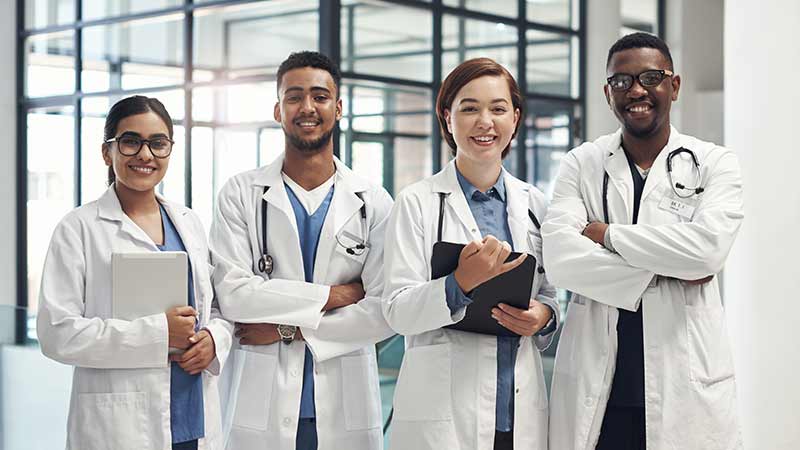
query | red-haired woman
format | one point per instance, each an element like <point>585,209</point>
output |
<point>460,389</point>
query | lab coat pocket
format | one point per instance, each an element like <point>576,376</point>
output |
<point>254,390</point>
<point>361,391</point>
<point>423,390</point>
<point>710,359</point>
<point>113,420</point>
<point>347,249</point>
<point>567,357</point>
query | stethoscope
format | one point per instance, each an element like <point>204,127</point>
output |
<point>442,195</point>
<point>676,187</point>
<point>266,264</point>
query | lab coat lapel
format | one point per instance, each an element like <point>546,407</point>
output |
<point>620,181</point>
<point>517,196</point>
<point>447,182</point>
<point>345,206</point>
<point>658,172</point>
<point>284,241</point>
<point>178,215</point>
<point>109,208</point>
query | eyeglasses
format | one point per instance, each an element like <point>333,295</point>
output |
<point>649,78</point>
<point>128,145</point>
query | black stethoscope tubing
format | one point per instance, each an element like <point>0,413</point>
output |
<point>442,195</point>
<point>697,190</point>
<point>266,264</point>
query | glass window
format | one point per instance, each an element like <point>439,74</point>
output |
<point>464,38</point>
<point>98,9</point>
<point>500,8</point>
<point>252,39</point>
<point>563,13</point>
<point>133,55</point>
<point>552,63</point>
<point>552,130</point>
<point>47,13</point>
<point>387,40</point>
<point>51,185</point>
<point>639,15</point>
<point>50,64</point>
<point>386,132</point>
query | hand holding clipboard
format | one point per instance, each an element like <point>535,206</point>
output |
<point>479,262</point>
<point>508,278</point>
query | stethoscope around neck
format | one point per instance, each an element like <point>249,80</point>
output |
<point>266,264</point>
<point>677,188</point>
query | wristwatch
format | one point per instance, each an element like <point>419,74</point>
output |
<point>287,332</point>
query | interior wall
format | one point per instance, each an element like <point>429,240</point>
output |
<point>761,279</point>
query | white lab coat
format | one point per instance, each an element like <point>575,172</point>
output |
<point>446,391</point>
<point>690,393</point>
<point>262,402</point>
<point>121,382</point>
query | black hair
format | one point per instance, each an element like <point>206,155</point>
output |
<point>307,58</point>
<point>640,40</point>
<point>131,106</point>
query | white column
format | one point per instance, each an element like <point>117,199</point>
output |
<point>762,277</point>
<point>603,23</point>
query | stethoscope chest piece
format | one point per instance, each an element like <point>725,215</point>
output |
<point>265,264</point>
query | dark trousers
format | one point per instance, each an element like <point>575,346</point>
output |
<point>306,434</point>
<point>623,429</point>
<point>503,440</point>
<point>188,445</point>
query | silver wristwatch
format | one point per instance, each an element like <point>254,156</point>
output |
<point>287,332</point>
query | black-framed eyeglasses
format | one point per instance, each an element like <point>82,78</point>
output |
<point>129,145</point>
<point>649,78</point>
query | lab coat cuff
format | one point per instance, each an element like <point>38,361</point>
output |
<point>222,344</point>
<point>607,239</point>
<point>323,350</point>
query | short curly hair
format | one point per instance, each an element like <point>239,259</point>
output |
<point>640,40</point>
<point>307,58</point>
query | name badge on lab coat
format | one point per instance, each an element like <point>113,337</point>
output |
<point>683,207</point>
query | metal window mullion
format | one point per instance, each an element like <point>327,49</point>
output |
<point>582,72</point>
<point>436,142</point>
<point>522,81</point>
<point>188,76</point>
<point>330,44</point>
<point>77,104</point>
<point>20,319</point>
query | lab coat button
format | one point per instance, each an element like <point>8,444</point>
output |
<point>294,373</point>
<point>287,421</point>
<point>588,402</point>
<point>517,390</point>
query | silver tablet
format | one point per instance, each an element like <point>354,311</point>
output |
<point>147,283</point>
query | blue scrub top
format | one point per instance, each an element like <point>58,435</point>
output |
<point>186,391</point>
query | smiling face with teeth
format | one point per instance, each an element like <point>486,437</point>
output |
<point>642,111</point>
<point>482,120</point>
<point>141,172</point>
<point>308,108</point>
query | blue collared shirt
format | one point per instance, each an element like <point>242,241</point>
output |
<point>490,213</point>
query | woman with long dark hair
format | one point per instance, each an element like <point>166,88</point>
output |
<point>129,391</point>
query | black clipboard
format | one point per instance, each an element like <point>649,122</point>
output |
<point>512,288</point>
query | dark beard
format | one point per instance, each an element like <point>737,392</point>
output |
<point>643,132</point>
<point>306,146</point>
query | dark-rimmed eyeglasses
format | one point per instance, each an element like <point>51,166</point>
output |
<point>649,78</point>
<point>129,145</point>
